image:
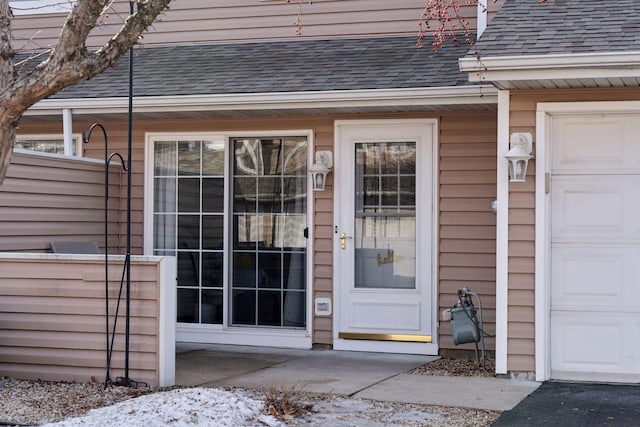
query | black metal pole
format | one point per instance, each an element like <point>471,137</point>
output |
<point>86,140</point>
<point>128,253</point>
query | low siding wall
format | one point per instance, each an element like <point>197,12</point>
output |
<point>53,325</point>
<point>48,198</point>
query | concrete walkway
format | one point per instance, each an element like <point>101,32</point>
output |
<point>376,376</point>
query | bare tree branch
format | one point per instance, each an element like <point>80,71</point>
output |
<point>69,62</point>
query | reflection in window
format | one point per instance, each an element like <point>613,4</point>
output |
<point>267,215</point>
<point>385,218</point>
<point>269,221</point>
<point>42,144</point>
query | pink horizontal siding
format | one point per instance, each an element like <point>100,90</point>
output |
<point>197,21</point>
<point>52,319</point>
<point>46,199</point>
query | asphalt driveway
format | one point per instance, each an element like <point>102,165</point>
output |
<point>576,404</point>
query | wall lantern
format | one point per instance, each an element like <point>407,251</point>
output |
<point>520,148</point>
<point>320,169</point>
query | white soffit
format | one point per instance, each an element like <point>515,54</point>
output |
<point>466,95</point>
<point>614,69</point>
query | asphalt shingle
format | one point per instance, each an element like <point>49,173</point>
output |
<point>285,66</point>
<point>527,27</point>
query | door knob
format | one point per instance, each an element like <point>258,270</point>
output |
<point>343,240</point>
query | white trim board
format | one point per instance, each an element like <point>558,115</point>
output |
<point>257,337</point>
<point>166,322</point>
<point>502,236</point>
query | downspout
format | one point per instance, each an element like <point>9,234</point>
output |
<point>67,131</point>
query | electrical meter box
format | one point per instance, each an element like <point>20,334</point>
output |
<point>464,325</point>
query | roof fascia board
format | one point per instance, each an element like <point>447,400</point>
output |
<point>482,94</point>
<point>527,62</point>
<point>539,67</point>
<point>567,74</point>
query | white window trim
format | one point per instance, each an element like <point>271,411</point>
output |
<point>38,7</point>
<point>225,333</point>
<point>58,137</point>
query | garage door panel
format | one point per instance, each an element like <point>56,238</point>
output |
<point>595,346</point>
<point>595,207</point>
<point>584,342</point>
<point>595,143</point>
<point>595,275</point>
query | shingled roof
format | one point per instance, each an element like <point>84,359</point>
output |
<point>527,27</point>
<point>285,66</point>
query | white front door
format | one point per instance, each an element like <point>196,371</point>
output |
<point>384,236</point>
<point>595,247</point>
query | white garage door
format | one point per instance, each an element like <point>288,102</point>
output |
<point>595,247</point>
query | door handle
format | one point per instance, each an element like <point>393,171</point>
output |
<point>343,240</point>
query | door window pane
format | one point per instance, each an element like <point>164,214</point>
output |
<point>213,157</point>
<point>188,268</point>
<point>189,158</point>
<point>164,199</point>
<point>212,270</point>
<point>213,195</point>
<point>189,232</point>
<point>213,232</point>
<point>188,195</point>
<point>385,223</point>
<point>164,231</point>
<point>212,306</point>
<point>164,158</point>
<point>188,305</point>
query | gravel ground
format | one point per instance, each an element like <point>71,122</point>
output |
<point>337,411</point>
<point>40,402</point>
<point>448,366</point>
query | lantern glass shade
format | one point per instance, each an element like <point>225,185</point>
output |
<point>518,156</point>
<point>318,178</point>
<point>518,170</point>
<point>320,169</point>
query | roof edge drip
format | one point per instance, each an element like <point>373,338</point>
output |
<point>477,94</point>
<point>528,62</point>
